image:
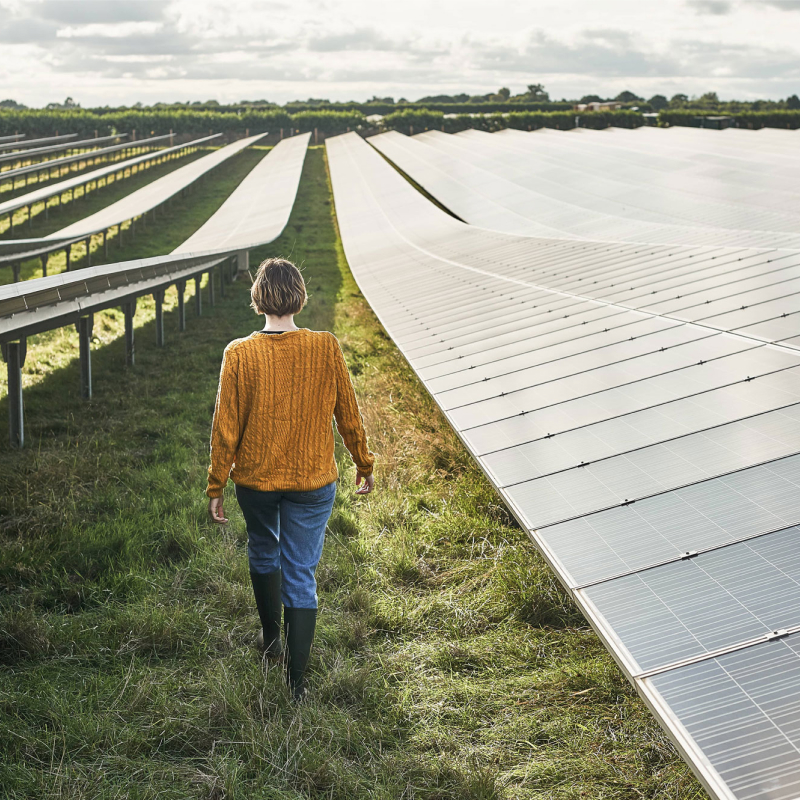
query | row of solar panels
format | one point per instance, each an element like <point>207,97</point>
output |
<point>132,205</point>
<point>636,405</point>
<point>254,214</point>
<point>605,186</point>
<point>43,193</point>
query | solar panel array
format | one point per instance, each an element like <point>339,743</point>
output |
<point>44,303</point>
<point>17,143</point>
<point>591,185</point>
<point>132,205</point>
<point>259,208</point>
<point>37,153</point>
<point>44,192</point>
<point>637,406</point>
<point>46,167</point>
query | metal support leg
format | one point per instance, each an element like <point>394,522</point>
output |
<point>68,251</point>
<point>15,270</point>
<point>105,243</point>
<point>211,298</point>
<point>222,280</point>
<point>44,265</point>
<point>88,251</point>
<point>158,296</point>
<point>198,297</point>
<point>84,326</point>
<point>242,261</point>
<point>14,356</point>
<point>181,287</point>
<point>130,351</point>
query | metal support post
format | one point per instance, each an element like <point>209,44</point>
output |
<point>211,298</point>
<point>242,261</point>
<point>105,243</point>
<point>68,251</point>
<point>88,251</point>
<point>14,356</point>
<point>44,264</point>
<point>130,351</point>
<point>84,326</point>
<point>158,296</point>
<point>181,287</point>
<point>221,279</point>
<point>198,297</point>
<point>15,271</point>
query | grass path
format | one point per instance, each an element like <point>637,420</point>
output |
<point>448,662</point>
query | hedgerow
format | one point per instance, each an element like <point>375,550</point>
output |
<point>414,121</point>
<point>148,122</point>
<point>776,118</point>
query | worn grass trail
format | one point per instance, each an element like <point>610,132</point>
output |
<point>448,662</point>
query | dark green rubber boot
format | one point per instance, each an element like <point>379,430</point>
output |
<point>298,628</point>
<point>267,591</point>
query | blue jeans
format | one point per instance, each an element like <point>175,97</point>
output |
<point>286,531</point>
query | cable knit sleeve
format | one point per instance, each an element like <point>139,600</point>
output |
<point>225,431</point>
<point>348,418</point>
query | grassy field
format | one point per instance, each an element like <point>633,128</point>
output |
<point>448,662</point>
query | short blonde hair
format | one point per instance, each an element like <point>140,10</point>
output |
<point>278,289</point>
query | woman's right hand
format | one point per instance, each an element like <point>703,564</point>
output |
<point>369,482</point>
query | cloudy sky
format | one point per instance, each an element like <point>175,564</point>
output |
<point>112,52</point>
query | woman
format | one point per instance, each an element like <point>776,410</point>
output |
<point>279,390</point>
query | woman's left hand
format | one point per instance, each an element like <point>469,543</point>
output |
<point>368,483</point>
<point>215,511</point>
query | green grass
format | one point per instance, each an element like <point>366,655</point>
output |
<point>448,661</point>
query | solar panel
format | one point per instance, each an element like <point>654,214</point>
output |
<point>628,403</point>
<point>705,603</point>
<point>742,714</point>
<point>259,209</point>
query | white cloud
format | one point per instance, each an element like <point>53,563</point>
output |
<point>120,51</point>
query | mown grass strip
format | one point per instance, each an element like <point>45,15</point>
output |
<point>448,662</point>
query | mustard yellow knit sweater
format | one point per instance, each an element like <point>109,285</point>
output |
<point>277,397</point>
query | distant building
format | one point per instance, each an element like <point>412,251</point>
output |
<point>612,105</point>
<point>718,123</point>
